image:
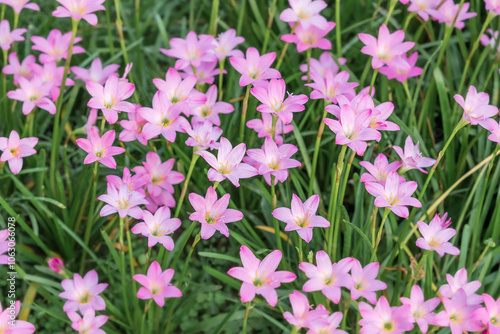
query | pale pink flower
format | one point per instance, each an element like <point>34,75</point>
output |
<point>412,157</point>
<point>89,323</point>
<point>162,199</point>
<point>211,109</point>
<point>378,171</point>
<point>493,6</point>
<point>459,282</point>
<point>489,315</point>
<point>79,9</point>
<point>310,37</point>
<point>9,325</point>
<point>50,75</point>
<point>379,116</point>
<point>364,282</point>
<point>203,135</point>
<point>264,127</point>
<point>96,72</point>
<point>100,149</point>
<point>33,93</point>
<point>205,73</point>
<point>15,149</point>
<point>403,69</point>
<point>383,318</point>
<point>330,86</point>
<point>303,314</point>
<point>327,277</point>
<point>458,314</point>
<point>260,277</point>
<point>191,51</point>
<point>7,37</point>
<point>225,44</point>
<point>435,236</point>
<point>122,201</point>
<point>6,242</point>
<point>18,5</point>
<point>421,309</point>
<point>254,67</point>
<point>133,128</point>
<point>302,216</point>
<point>476,106</point>
<point>423,7</point>
<point>82,294</point>
<point>326,325</point>
<point>19,69</point>
<point>491,42</point>
<point>493,127</point>
<point>320,65</point>
<point>133,182</point>
<point>448,11</point>
<point>156,284</point>
<point>305,12</point>
<point>56,264</point>
<point>158,227</point>
<point>213,214</point>
<point>55,47</point>
<point>360,102</point>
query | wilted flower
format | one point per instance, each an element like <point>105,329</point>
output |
<point>15,149</point>
<point>82,294</point>
<point>156,284</point>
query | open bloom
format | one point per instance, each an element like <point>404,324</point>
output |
<point>448,13</point>
<point>303,314</point>
<point>122,201</point>
<point>213,214</point>
<point>255,67</point>
<point>320,65</point>
<point>96,72</point>
<point>82,294</point>
<point>9,325</point>
<point>211,109</point>
<point>310,37</point>
<point>264,127</point>
<point>156,284</point>
<point>19,69</point>
<point>493,5</point>
<point>327,277</point>
<point>89,323</point>
<point>203,135</point>
<point>331,85</point>
<point>458,314</point>
<point>7,37</point>
<point>133,182</point>
<point>133,128</point>
<point>494,128</point>
<point>305,12</point>
<point>404,69</point>
<point>158,227</point>
<point>423,7</point>
<point>327,324</point>
<point>412,157</point>
<point>15,149</point>
<point>378,171</point>
<point>420,309</point>
<point>476,106</point>
<point>18,5</point>
<point>33,93</point>
<point>302,216</point>
<point>364,282</point>
<point>459,282</point>
<point>225,44</point>
<point>56,264</point>
<point>228,163</point>
<point>383,318</point>
<point>100,148</point>
<point>489,315</point>
<point>55,47</point>
<point>191,51</point>
<point>79,9</point>
<point>51,76</point>
<point>260,277</point>
<point>436,236</point>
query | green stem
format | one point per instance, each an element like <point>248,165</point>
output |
<point>221,69</point>
<point>130,252</point>
<point>333,199</point>
<point>316,152</point>
<point>276,224</point>
<point>110,36</point>
<point>285,47</point>
<point>146,308</point>
<point>379,234</point>
<point>391,9</point>
<point>273,130</point>
<point>272,10</point>
<point>245,318</point>
<point>244,113</point>
<point>301,254</point>
<point>374,76</point>
<point>186,183</point>
<point>90,216</point>
<point>308,52</point>
<point>337,28</point>
<point>123,271</point>
<point>214,16</point>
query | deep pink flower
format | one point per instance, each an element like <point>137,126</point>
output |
<point>211,109</point>
<point>448,11</point>
<point>18,5</point>
<point>203,135</point>
<point>96,72</point>
<point>383,318</point>
<point>364,282</point>
<point>326,325</point>
<point>56,264</point>
<point>122,201</point>
<point>133,128</point>
<point>330,86</point>
<point>302,216</point>
<point>404,69</point>
<point>191,51</point>
<point>320,65</point>
<point>9,325</point>
<point>55,47</point>
<point>15,149</point>
<point>19,69</point>
<point>476,106</point>
<point>82,294</point>
<point>310,37</point>
<point>260,278</point>
<point>489,315</point>
<point>100,148</point>
<point>303,314</point>
<point>158,227</point>
<point>305,12</point>
<point>7,37</point>
<point>423,7</point>
<point>327,277</point>
<point>6,242</point>
<point>225,44</point>
<point>380,169</point>
<point>435,236</point>
<point>255,67</point>
<point>33,93</point>
<point>213,214</point>
<point>421,310</point>
<point>412,157</point>
<point>458,314</point>
<point>89,323</point>
<point>156,284</point>
<point>459,282</point>
<point>79,9</point>
<point>264,127</point>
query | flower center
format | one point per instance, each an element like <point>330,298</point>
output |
<point>206,111</point>
<point>85,298</point>
<point>274,165</point>
<point>14,151</point>
<point>156,288</point>
<point>434,243</point>
<point>388,327</point>
<point>123,204</point>
<point>392,200</point>
<point>155,231</point>
<point>224,169</point>
<point>302,222</point>
<point>457,318</point>
<point>211,220</point>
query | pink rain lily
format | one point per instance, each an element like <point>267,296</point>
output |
<point>458,314</point>
<point>225,45</point>
<point>320,65</point>
<point>228,163</point>
<point>379,116</point>
<point>306,13</point>
<point>360,102</point>
<point>493,6</point>
<point>191,51</point>
<point>459,282</point>
<point>15,149</point>
<point>264,127</point>
<point>491,42</point>
<point>302,216</point>
<point>327,277</point>
<point>364,282</point>
<point>303,314</point>
<point>423,7</point>
<point>9,325</point>
<point>476,106</point>
<point>158,227</point>
<point>403,69</point>
<point>205,73</point>
<point>82,294</point>
<point>33,93</point>
<point>89,323</point>
<point>326,325</point>
<point>378,171</point>
<point>387,48</point>
<point>435,236</point>
<point>255,67</point>
<point>51,75</point>
<point>448,11</point>
<point>156,284</point>
<point>203,135</point>
<point>79,9</point>
<point>18,5</point>
<point>211,109</point>
<point>122,201</point>
<point>260,277</point>
<point>274,160</point>
<point>19,69</point>
<point>310,37</point>
<point>494,128</point>
<point>7,37</point>
<point>55,47</point>
<point>96,73</point>
<point>489,315</point>
<point>133,182</point>
<point>56,265</point>
<point>420,309</point>
<point>100,148</point>
<point>383,318</point>
<point>394,194</point>
<point>133,128</point>
<point>412,157</point>
<point>274,102</point>
<point>330,86</point>
<point>5,244</point>
<point>213,214</point>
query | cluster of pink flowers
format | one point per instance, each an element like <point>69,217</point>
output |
<point>447,12</point>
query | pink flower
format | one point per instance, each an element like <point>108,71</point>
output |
<point>459,282</point>
<point>476,106</point>
<point>387,48</point>
<point>493,5</point>
<point>79,9</point>
<point>122,201</point>
<point>305,12</point>
<point>274,160</point>
<point>89,323</point>
<point>18,69</point>
<point>379,116</point>
<point>458,314</point>
<point>18,5</point>
<point>404,69</point>
<point>255,67</point>
<point>274,102</point>
<point>228,163</point>
<point>494,128</point>
<point>320,65</point>
<point>380,169</point>
<point>82,294</point>
<point>5,244</point>
<point>8,37</point>
<point>9,325</point>
<point>383,318</point>
<point>205,73</point>
<point>203,135</point>
<point>156,284</point>
<point>211,109</point>
<point>423,7</point>
<point>302,216</point>
<point>363,281</point>
<point>330,86</point>
<point>435,236</point>
<point>56,264</point>
<point>326,325</point>
<point>133,182</point>
<point>360,102</point>
<point>448,11</point>
<point>260,277</point>
<point>55,47</point>
<point>158,227</point>
<point>303,315</point>
<point>421,310</point>
<point>33,93</point>
<point>133,128</point>
<point>394,194</point>
<point>100,148</point>
<point>412,157</point>
<point>213,214</point>
<point>191,51</point>
<point>310,37</point>
<point>489,315</point>
<point>491,42</point>
<point>353,130</point>
<point>50,75</point>
<point>15,149</point>
<point>225,44</point>
<point>327,277</point>
<point>96,72</point>
<point>264,127</point>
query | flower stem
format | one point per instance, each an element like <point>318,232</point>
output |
<point>379,234</point>
<point>391,9</point>
<point>276,224</point>
<point>90,216</point>
<point>333,198</point>
<point>285,47</point>
<point>244,113</point>
<point>316,152</point>
<point>186,183</point>
<point>272,10</point>
<point>245,318</point>
<point>309,51</point>
<point>337,30</point>
<point>373,81</point>
<point>146,308</point>
<point>130,251</point>
<point>273,131</point>
<point>301,254</point>
<point>221,69</point>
